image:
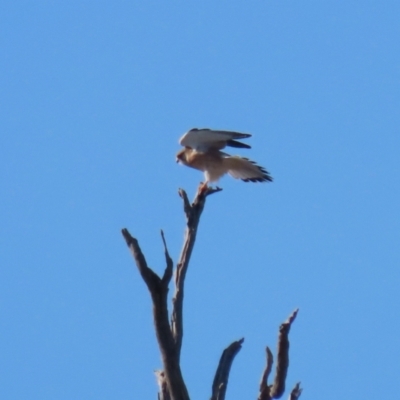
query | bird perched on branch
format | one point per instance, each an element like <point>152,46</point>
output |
<point>202,151</point>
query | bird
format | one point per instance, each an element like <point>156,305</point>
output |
<point>202,151</point>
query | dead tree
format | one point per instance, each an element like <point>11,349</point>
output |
<point>169,331</point>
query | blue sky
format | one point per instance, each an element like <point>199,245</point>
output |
<point>94,97</point>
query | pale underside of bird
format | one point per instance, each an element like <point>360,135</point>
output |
<point>202,151</point>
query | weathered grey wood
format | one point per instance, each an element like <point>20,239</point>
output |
<point>158,289</point>
<point>282,363</point>
<point>163,393</point>
<point>169,335</point>
<point>264,393</point>
<point>276,390</point>
<point>193,213</point>
<point>220,383</point>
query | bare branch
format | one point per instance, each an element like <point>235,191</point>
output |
<point>151,279</point>
<point>222,375</point>
<point>264,387</point>
<point>282,364</point>
<point>193,213</point>
<point>296,392</point>
<point>159,291</point>
<point>170,264</point>
<point>187,208</point>
<point>170,337</point>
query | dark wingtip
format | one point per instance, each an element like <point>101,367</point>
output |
<point>235,143</point>
<point>238,135</point>
<point>265,178</point>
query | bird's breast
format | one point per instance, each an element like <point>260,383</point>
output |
<point>204,161</point>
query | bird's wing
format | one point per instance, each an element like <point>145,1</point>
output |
<point>205,139</point>
<point>246,170</point>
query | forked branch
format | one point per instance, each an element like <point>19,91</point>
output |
<point>158,289</point>
<point>276,390</point>
<point>169,335</point>
<point>193,213</point>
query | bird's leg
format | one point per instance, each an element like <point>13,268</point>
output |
<point>205,190</point>
<point>203,187</point>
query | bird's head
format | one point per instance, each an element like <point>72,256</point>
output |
<point>181,156</point>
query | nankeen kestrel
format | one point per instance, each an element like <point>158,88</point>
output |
<point>202,151</point>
